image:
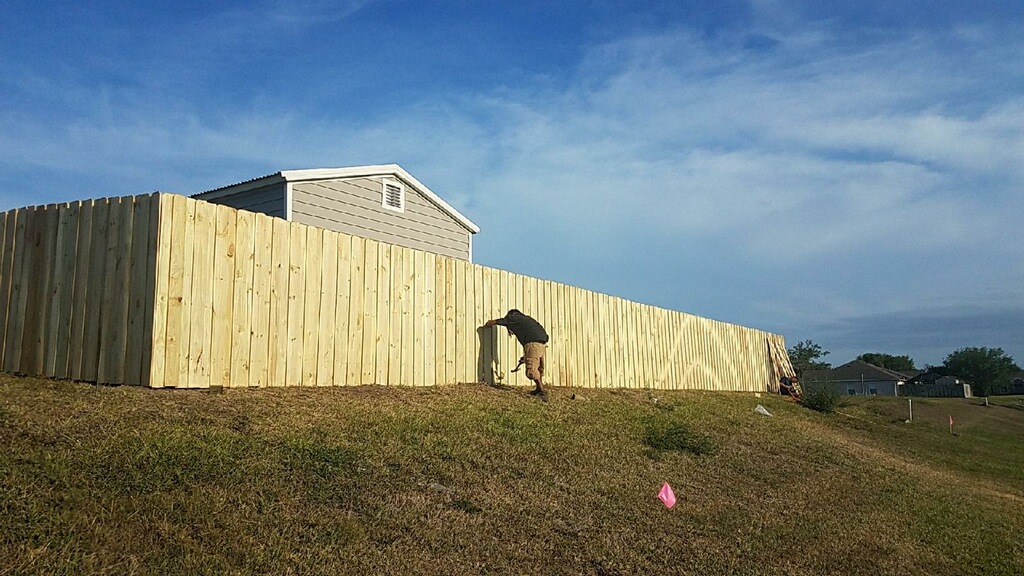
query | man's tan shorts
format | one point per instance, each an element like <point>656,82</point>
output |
<point>534,354</point>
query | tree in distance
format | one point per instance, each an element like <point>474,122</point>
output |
<point>804,356</point>
<point>987,370</point>
<point>888,361</point>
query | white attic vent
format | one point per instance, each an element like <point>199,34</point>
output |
<point>393,195</point>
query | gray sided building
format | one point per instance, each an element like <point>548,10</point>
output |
<point>857,378</point>
<point>383,202</point>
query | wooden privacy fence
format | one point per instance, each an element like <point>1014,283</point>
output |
<point>166,291</point>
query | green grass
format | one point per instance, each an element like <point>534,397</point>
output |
<point>478,480</point>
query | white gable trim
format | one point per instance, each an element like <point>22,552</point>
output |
<point>377,170</point>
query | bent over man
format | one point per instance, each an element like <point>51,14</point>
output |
<point>534,339</point>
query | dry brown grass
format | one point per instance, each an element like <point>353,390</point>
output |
<point>478,480</point>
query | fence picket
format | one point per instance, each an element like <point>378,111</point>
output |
<point>244,283</point>
<point>161,224</point>
<point>222,309</point>
<point>312,273</point>
<point>326,312</point>
<point>262,286</point>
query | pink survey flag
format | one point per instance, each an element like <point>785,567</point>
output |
<point>667,496</point>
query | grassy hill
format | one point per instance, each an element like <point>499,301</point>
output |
<point>473,479</point>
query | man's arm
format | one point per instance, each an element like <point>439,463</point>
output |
<point>496,322</point>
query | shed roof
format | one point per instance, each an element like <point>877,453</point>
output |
<point>314,174</point>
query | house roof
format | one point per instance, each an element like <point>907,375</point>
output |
<point>314,174</point>
<point>855,371</point>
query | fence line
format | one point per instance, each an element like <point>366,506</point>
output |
<point>167,291</point>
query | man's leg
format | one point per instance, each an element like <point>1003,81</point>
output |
<point>534,354</point>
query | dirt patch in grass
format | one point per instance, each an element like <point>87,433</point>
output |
<point>471,479</point>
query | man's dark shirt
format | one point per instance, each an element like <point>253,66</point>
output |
<point>525,328</point>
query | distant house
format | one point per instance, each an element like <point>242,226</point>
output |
<point>857,378</point>
<point>1017,384</point>
<point>383,202</point>
<point>933,384</point>
<point>910,374</point>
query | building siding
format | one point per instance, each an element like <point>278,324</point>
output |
<point>354,207</point>
<point>859,388</point>
<point>269,200</point>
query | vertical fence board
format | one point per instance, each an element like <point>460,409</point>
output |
<point>280,303</point>
<point>645,344</point>
<point>383,314</point>
<point>179,291</point>
<point>484,335</point>
<point>111,291</point>
<point>408,321</point>
<point>98,269</point>
<point>605,341</point>
<point>462,342</point>
<point>84,270</point>
<point>203,278</point>
<point>434,327</point>
<point>499,293</point>
<point>397,313</point>
<point>21,275</point>
<point>438,332</point>
<point>29,303</point>
<point>470,340</point>
<point>311,304</point>
<point>554,346</point>
<point>665,335</point>
<point>244,283</point>
<point>326,313</point>
<point>222,309</point>
<point>450,334</point>
<point>357,296</point>
<point>569,357</point>
<point>629,344</point>
<point>138,287</point>
<point>564,335</point>
<point>296,302</point>
<point>341,311</point>
<point>58,330</point>
<point>262,287</point>
<point>161,224</point>
<point>419,297</point>
<point>118,334</point>
<point>369,312</point>
<point>6,265</point>
<point>43,237</point>
<point>34,356</point>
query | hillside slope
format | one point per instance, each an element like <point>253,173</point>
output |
<point>472,479</point>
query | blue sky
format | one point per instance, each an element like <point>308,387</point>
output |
<point>846,172</point>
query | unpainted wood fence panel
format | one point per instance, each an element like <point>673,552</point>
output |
<point>169,291</point>
<point>74,290</point>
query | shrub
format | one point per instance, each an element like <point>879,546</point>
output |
<point>820,398</point>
